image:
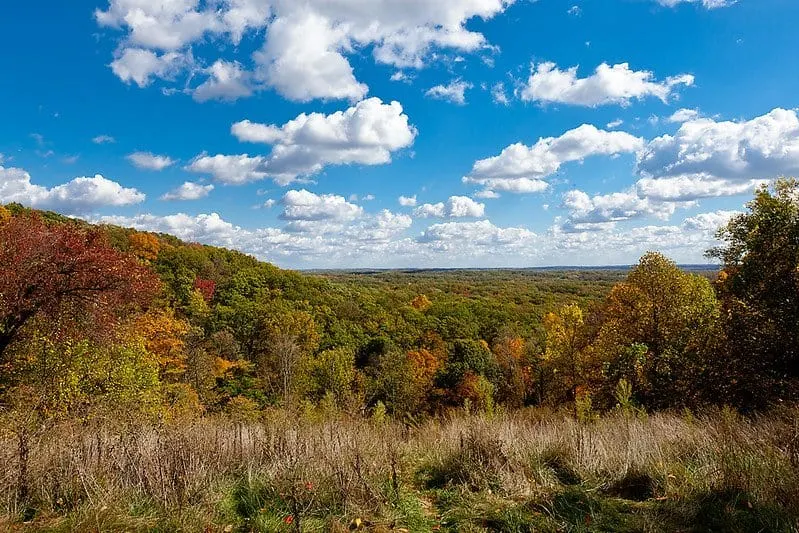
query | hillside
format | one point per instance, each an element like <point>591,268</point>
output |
<point>147,382</point>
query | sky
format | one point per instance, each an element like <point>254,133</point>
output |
<point>402,133</point>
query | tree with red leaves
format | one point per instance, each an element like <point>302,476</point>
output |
<point>65,275</point>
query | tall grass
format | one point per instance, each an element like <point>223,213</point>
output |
<point>526,471</point>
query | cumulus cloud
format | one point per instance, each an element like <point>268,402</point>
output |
<point>150,161</point>
<point>684,115</point>
<point>227,81</point>
<point>141,66</point>
<point>690,188</point>
<point>454,92</point>
<point>603,209</point>
<point>616,84</point>
<point>707,158</point>
<point>407,201</point>
<point>303,59</point>
<point>521,169</point>
<point>304,205</point>
<point>306,45</point>
<point>454,207</point>
<point>230,169</point>
<point>80,195</point>
<point>487,194</point>
<point>709,222</point>
<point>449,236</point>
<point>188,191</point>
<point>367,134</point>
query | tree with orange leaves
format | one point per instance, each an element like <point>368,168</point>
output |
<point>164,337</point>
<point>145,246</point>
<point>421,303</point>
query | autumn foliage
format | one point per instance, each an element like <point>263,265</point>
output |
<point>69,277</point>
<point>103,312</point>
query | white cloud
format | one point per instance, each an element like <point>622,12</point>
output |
<point>407,201</point>
<point>149,161</point>
<point>607,208</point>
<point>306,44</point>
<point>304,205</point>
<point>366,134</point>
<point>459,236</point>
<point>454,92</point>
<point>709,222</point>
<point>498,94</point>
<point>230,169</point>
<point>684,115</point>
<point>520,168</point>
<point>455,207</point>
<point>513,185</point>
<point>709,4</point>
<point>616,84</point>
<point>487,194</point>
<point>689,188</point>
<point>227,81</point>
<point>615,123</point>
<point>188,191</point>
<point>302,59</point>
<point>141,66</point>
<point>80,195</point>
<point>380,228</point>
<point>400,75</point>
<point>708,158</point>
<point>103,139</point>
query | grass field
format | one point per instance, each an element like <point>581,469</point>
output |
<point>533,470</point>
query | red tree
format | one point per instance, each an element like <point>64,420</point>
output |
<point>63,271</point>
<point>206,288</point>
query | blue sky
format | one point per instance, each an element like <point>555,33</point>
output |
<point>518,133</point>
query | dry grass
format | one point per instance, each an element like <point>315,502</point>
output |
<point>527,471</point>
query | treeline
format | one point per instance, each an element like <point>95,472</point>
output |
<point>94,318</point>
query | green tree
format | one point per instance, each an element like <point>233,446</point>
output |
<point>759,289</point>
<point>330,372</point>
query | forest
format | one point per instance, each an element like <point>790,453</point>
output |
<point>148,384</point>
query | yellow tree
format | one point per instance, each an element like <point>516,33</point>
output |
<point>565,348</point>
<point>672,316</point>
<point>164,337</point>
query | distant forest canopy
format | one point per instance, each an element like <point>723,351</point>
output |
<point>97,318</point>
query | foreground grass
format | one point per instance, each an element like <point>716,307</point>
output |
<point>528,471</point>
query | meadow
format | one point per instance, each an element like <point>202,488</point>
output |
<point>530,470</point>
